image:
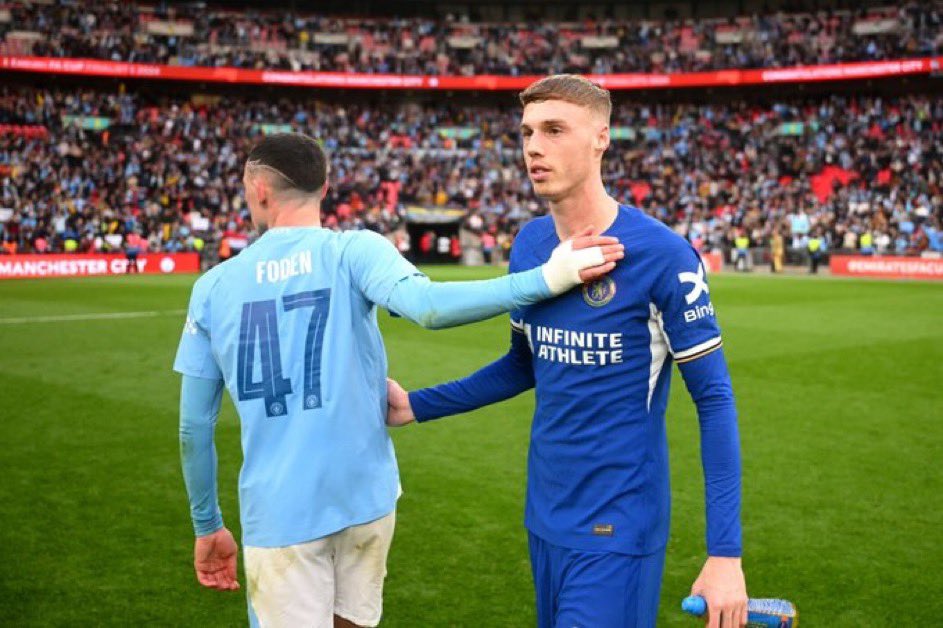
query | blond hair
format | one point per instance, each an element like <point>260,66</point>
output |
<point>571,88</point>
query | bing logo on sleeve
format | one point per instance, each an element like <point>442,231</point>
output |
<point>600,292</point>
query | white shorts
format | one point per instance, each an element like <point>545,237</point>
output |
<point>307,584</point>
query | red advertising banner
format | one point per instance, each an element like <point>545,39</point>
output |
<point>889,267</point>
<point>713,262</point>
<point>717,78</point>
<point>86,265</point>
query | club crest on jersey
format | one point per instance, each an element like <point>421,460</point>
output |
<point>600,292</point>
<point>189,327</point>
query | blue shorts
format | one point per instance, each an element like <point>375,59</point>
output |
<point>577,589</point>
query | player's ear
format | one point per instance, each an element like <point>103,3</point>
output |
<point>601,141</point>
<point>261,190</point>
<point>324,189</point>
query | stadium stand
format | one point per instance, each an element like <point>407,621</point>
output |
<point>81,167</point>
<point>170,168</point>
<point>192,35</point>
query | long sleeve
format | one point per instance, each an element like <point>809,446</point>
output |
<point>436,305</point>
<point>388,280</point>
<point>200,401</point>
<point>506,377</point>
<point>708,382</point>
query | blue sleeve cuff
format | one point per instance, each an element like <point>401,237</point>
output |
<point>533,282</point>
<point>203,528</point>
<point>421,407</point>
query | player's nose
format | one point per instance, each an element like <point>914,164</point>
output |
<point>534,147</point>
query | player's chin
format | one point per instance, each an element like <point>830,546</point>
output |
<point>547,191</point>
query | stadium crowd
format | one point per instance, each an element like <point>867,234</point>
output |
<point>195,35</point>
<point>864,173</point>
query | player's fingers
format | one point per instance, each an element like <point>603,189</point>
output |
<point>584,242</point>
<point>578,238</point>
<point>231,574</point>
<point>613,252</point>
<point>234,576</point>
<point>594,273</point>
<point>219,581</point>
<point>222,578</point>
<point>713,616</point>
<point>743,614</point>
<point>208,579</point>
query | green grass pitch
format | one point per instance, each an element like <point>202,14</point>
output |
<point>841,411</point>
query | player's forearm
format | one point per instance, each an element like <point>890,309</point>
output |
<point>720,458</point>
<point>436,305</point>
<point>708,382</point>
<point>504,378</point>
<point>199,407</point>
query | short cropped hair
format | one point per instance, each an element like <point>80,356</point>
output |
<point>297,159</point>
<point>570,88</point>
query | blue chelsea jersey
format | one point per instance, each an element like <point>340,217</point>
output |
<point>601,355</point>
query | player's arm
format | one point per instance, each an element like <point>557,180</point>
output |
<point>721,581</point>
<point>682,296</point>
<point>708,383</point>
<point>215,550</point>
<point>200,400</point>
<point>389,280</point>
<point>506,377</point>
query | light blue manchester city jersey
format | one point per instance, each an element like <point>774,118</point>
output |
<point>290,326</point>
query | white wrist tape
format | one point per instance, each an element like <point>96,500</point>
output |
<point>562,270</point>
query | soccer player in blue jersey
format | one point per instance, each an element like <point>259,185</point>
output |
<point>289,328</point>
<point>598,499</point>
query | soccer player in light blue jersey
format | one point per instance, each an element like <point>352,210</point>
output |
<point>599,359</point>
<point>289,328</point>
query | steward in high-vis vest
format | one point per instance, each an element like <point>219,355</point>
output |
<point>816,251</point>
<point>741,259</point>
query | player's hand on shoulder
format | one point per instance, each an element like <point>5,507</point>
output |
<point>214,558</point>
<point>722,584</point>
<point>583,258</point>
<point>399,412</point>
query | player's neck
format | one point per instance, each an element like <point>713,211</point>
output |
<point>591,207</point>
<point>306,216</point>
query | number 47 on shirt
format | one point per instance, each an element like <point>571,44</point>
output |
<point>259,326</point>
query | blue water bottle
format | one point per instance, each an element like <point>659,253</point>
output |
<point>761,613</point>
